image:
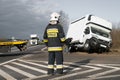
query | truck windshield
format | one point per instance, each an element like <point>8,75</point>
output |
<point>99,32</point>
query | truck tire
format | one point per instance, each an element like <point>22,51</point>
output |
<point>94,43</point>
<point>72,49</point>
<point>87,46</point>
<point>100,51</point>
<point>108,50</point>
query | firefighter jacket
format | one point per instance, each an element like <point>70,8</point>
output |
<point>54,37</point>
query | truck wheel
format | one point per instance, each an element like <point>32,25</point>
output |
<point>72,49</point>
<point>107,49</point>
<point>100,51</point>
<point>87,46</point>
<point>94,43</point>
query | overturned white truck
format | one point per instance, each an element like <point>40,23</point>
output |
<point>91,34</point>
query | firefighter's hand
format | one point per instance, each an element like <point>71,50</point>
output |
<point>67,41</point>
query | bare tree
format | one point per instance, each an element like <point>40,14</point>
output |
<point>116,35</point>
<point>64,20</point>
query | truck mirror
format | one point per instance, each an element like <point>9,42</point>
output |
<point>87,31</point>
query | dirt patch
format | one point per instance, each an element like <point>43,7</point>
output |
<point>112,52</point>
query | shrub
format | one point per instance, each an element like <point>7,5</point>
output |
<point>115,37</point>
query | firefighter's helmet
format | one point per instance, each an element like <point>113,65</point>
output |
<point>54,16</point>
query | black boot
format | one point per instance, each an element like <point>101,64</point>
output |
<point>59,71</point>
<point>50,72</point>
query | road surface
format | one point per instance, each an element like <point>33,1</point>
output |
<point>77,66</point>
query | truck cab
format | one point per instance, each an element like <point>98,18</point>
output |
<point>34,39</point>
<point>90,33</point>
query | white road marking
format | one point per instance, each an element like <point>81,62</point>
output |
<point>101,65</point>
<point>97,68</point>
<point>67,64</point>
<point>72,63</point>
<point>110,76</point>
<point>6,75</point>
<point>47,62</point>
<point>105,72</point>
<point>42,76</point>
<point>113,64</point>
<point>43,48</point>
<point>8,62</point>
<point>77,73</point>
<point>102,77</point>
<point>29,67</point>
<point>20,71</point>
<point>33,46</point>
<point>40,65</point>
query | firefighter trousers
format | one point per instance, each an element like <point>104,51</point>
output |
<point>56,56</point>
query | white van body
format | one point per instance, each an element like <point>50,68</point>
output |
<point>90,33</point>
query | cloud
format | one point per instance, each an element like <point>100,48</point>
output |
<point>20,18</point>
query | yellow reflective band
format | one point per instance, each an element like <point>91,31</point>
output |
<point>62,39</point>
<point>52,34</point>
<point>50,66</point>
<point>55,48</point>
<point>45,40</point>
<point>54,30</point>
<point>59,66</point>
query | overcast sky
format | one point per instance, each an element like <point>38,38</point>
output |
<point>20,18</point>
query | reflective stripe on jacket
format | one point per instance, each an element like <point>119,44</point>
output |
<point>54,37</point>
<point>55,48</point>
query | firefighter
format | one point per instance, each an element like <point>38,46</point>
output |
<point>54,39</point>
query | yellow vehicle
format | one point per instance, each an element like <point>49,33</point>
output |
<point>5,45</point>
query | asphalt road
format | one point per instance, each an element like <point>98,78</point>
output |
<point>77,66</point>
